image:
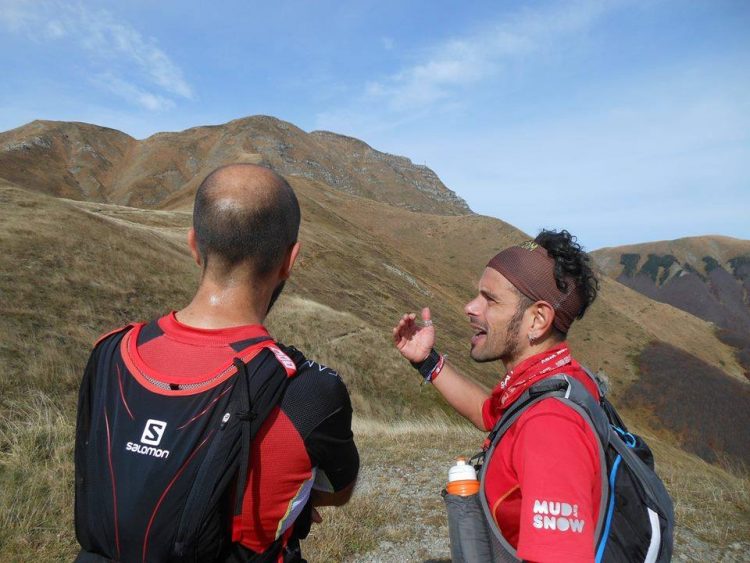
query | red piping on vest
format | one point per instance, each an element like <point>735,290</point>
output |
<point>114,487</point>
<point>122,394</point>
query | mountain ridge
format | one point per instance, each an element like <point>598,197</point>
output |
<point>166,167</point>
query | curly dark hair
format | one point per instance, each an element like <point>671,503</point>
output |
<point>571,261</point>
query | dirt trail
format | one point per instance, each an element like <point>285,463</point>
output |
<point>397,513</point>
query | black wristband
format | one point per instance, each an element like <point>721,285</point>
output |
<point>426,366</point>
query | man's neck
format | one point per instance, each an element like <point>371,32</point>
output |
<point>226,305</point>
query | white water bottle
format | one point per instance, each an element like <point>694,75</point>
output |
<point>462,479</point>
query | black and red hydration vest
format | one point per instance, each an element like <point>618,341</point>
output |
<point>157,464</point>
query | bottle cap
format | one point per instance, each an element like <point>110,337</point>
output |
<point>462,471</point>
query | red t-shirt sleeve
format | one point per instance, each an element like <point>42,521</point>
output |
<point>491,410</point>
<point>556,458</point>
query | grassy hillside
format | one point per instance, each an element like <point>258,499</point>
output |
<point>72,270</point>
<point>689,250</point>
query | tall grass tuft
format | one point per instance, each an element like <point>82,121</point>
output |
<point>36,480</point>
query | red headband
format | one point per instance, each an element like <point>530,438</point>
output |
<point>532,271</point>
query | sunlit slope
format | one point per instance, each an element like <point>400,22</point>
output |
<point>74,160</point>
<point>697,252</point>
<point>376,262</point>
<point>706,276</point>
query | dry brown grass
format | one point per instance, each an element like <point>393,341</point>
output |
<point>36,473</point>
<point>695,401</point>
<point>710,502</point>
<point>70,271</point>
<point>397,512</point>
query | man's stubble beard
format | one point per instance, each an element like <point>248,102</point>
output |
<point>511,341</point>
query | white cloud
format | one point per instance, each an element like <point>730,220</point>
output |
<point>56,29</point>
<point>14,14</point>
<point>102,34</point>
<point>132,93</point>
<point>106,40</point>
<point>448,68</point>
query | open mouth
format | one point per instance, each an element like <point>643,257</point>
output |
<point>479,333</point>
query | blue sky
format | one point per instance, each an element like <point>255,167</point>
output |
<point>622,121</point>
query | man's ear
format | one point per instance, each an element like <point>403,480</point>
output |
<point>193,244</point>
<point>543,315</point>
<point>289,260</point>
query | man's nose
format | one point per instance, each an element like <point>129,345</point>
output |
<point>471,308</point>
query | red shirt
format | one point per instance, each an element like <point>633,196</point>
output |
<point>543,481</point>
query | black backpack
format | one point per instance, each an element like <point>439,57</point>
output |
<point>636,515</point>
<point>160,471</point>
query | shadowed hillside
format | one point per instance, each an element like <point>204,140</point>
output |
<point>72,269</point>
<point>709,411</point>
<point>708,277</point>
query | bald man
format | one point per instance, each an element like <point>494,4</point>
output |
<point>199,437</point>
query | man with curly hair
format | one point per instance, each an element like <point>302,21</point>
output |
<point>528,297</point>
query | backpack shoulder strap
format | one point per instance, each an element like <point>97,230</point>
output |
<point>588,407</point>
<point>106,335</point>
<point>546,388</point>
<point>601,385</point>
<point>612,415</point>
<point>261,382</point>
<point>580,400</point>
<point>263,391</point>
<point>541,390</point>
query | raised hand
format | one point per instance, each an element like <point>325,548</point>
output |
<point>414,341</point>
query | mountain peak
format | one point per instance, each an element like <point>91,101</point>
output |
<point>89,162</point>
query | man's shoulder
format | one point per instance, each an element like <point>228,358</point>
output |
<point>315,396</point>
<point>112,333</point>
<point>307,366</point>
<point>322,382</point>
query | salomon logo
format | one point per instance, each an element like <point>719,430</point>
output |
<point>152,435</point>
<point>146,450</point>
<point>153,432</point>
